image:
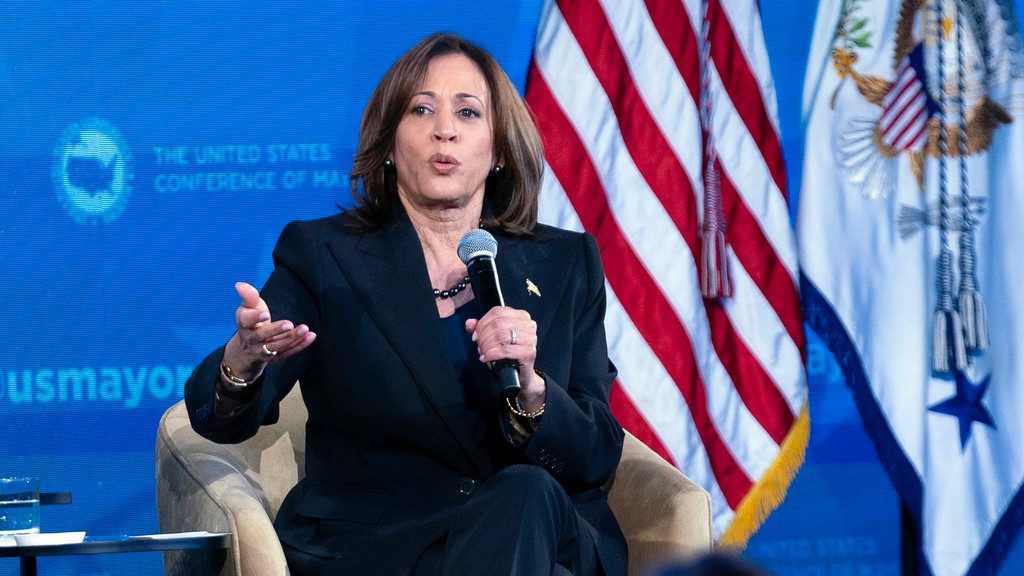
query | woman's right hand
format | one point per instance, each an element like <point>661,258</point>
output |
<point>246,352</point>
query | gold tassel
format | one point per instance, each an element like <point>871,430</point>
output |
<point>771,488</point>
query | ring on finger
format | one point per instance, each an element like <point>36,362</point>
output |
<point>513,335</point>
<point>268,351</point>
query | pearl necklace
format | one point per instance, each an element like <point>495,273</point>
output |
<point>443,294</point>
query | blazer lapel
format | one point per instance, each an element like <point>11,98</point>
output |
<point>389,274</point>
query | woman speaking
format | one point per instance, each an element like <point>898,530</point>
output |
<point>416,463</point>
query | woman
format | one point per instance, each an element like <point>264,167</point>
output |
<point>414,461</point>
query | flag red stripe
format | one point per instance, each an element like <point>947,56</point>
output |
<point>917,140</point>
<point>632,420</point>
<point>666,176</point>
<point>640,297</point>
<point>904,79</point>
<point>677,33</point>
<point>647,146</point>
<point>896,142</point>
<point>752,383</point>
<point>763,265</point>
<point>914,100</point>
<point>744,91</point>
<point>766,270</point>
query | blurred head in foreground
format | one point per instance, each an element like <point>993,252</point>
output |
<point>714,564</point>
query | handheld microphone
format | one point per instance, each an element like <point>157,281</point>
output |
<point>477,250</point>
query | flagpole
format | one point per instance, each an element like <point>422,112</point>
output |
<point>910,542</point>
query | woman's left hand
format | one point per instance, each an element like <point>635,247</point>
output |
<point>494,335</point>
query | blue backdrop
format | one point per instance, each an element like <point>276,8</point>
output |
<point>218,123</point>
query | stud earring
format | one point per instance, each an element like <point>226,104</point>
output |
<point>497,168</point>
<point>389,162</point>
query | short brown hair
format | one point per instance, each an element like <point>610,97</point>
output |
<point>510,193</point>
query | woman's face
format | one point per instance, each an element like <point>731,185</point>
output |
<point>443,145</point>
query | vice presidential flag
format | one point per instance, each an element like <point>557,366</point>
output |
<point>911,234</point>
<point>660,135</point>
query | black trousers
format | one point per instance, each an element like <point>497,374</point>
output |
<point>521,523</point>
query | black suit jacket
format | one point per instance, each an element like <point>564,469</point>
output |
<point>392,450</point>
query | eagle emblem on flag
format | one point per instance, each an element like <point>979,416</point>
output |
<point>906,107</point>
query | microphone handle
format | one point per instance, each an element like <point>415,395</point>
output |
<point>507,372</point>
<point>483,276</point>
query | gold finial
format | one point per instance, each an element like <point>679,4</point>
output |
<point>947,26</point>
<point>532,288</point>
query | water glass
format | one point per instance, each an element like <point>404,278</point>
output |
<point>19,505</point>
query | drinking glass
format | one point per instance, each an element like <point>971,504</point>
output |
<point>19,505</point>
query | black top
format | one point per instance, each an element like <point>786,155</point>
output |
<point>461,351</point>
<point>479,389</point>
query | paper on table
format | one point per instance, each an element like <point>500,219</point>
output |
<point>41,539</point>
<point>49,538</point>
<point>177,535</point>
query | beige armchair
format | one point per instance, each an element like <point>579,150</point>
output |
<point>239,488</point>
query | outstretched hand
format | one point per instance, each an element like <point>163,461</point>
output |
<point>258,341</point>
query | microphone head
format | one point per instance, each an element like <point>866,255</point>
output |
<point>477,242</point>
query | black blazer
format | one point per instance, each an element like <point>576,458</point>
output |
<point>391,447</point>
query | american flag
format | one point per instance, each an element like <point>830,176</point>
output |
<point>905,108</point>
<point>717,386</point>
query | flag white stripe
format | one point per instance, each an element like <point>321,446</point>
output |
<point>745,21</point>
<point>761,329</point>
<point>913,132</point>
<point>641,374</point>
<point>904,76</point>
<point>894,131</point>
<point>650,232</point>
<point>746,168</point>
<point>893,115</point>
<point>674,110</point>
<point>660,86</point>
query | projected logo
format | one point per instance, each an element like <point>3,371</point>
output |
<point>92,171</point>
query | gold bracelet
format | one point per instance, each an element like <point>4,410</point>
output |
<point>231,378</point>
<point>519,426</point>
<point>519,411</point>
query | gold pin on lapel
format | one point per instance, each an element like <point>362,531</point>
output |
<point>532,288</point>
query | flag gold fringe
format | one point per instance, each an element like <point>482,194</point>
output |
<point>770,490</point>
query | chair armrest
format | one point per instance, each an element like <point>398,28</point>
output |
<point>662,513</point>
<point>204,486</point>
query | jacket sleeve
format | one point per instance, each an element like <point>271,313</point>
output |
<point>578,440</point>
<point>292,293</point>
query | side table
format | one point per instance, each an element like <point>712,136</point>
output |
<point>116,545</point>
